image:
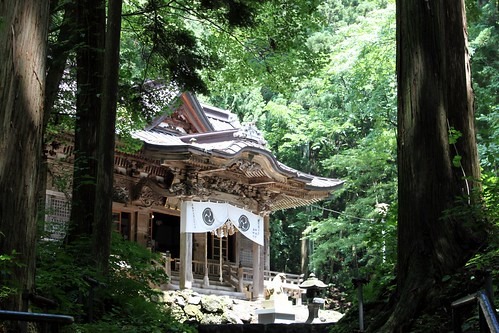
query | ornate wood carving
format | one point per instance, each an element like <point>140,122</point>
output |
<point>144,181</point>
<point>249,169</point>
<point>251,132</point>
<point>121,194</point>
<point>149,197</point>
<point>143,192</point>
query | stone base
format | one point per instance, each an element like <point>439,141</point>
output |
<point>278,302</point>
<point>271,316</point>
<point>284,306</point>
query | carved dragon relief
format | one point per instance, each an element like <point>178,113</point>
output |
<point>121,189</point>
<point>188,183</point>
<point>146,192</point>
<point>149,197</point>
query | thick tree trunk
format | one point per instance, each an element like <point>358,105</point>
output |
<point>23,37</point>
<point>104,202</point>
<point>91,27</point>
<point>56,63</point>
<point>434,96</point>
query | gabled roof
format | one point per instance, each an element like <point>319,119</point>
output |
<point>214,141</point>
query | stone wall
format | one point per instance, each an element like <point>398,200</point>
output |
<point>266,328</point>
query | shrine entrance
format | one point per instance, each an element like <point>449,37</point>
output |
<point>228,248</point>
<point>166,234</point>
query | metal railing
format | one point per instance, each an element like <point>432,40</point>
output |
<point>486,310</point>
<point>49,323</point>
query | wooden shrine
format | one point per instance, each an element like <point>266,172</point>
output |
<point>201,189</point>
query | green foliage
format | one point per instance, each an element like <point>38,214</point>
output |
<point>286,230</point>
<point>124,302</point>
<point>61,277</point>
<point>360,242</point>
<point>7,264</point>
<point>274,52</point>
<point>484,38</point>
<point>490,190</point>
<point>338,123</point>
<point>319,80</point>
<point>454,135</point>
<point>487,259</point>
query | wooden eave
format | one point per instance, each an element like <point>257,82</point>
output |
<point>194,113</point>
<point>214,159</point>
<point>190,109</point>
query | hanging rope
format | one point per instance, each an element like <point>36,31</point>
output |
<point>341,213</point>
<point>228,229</point>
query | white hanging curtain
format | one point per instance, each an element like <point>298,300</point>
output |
<point>209,216</point>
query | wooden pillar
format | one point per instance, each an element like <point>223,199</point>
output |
<point>221,258</point>
<point>258,281</point>
<point>168,264</point>
<point>266,237</point>
<point>240,277</point>
<point>186,277</point>
<point>260,261</point>
<point>143,221</point>
<point>206,279</point>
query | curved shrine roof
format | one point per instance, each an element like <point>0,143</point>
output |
<point>218,142</point>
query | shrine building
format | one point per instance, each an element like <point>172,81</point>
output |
<point>200,190</point>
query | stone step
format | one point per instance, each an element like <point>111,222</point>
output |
<point>211,287</point>
<point>218,292</point>
<point>215,288</point>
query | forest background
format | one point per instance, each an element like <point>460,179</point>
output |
<point>319,79</point>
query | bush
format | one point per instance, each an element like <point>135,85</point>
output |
<point>7,264</point>
<point>124,301</point>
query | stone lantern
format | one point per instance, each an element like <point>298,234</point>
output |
<point>313,285</point>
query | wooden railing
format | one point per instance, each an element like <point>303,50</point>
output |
<point>242,277</point>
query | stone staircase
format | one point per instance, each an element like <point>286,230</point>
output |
<point>215,288</point>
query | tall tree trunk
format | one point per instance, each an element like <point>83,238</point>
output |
<point>305,244</point>
<point>58,56</point>
<point>56,63</point>
<point>91,27</point>
<point>434,96</point>
<point>23,36</point>
<point>104,202</point>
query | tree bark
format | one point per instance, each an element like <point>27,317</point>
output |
<point>104,203</point>
<point>90,22</point>
<point>434,96</point>
<point>305,243</point>
<point>56,63</point>
<point>23,36</point>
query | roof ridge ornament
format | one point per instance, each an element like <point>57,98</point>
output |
<point>249,131</point>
